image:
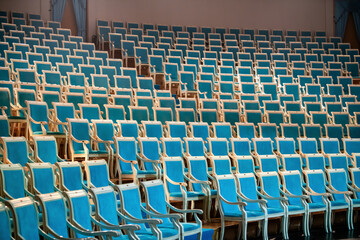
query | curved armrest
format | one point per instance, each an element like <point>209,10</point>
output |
<point>176,183</point>
<point>334,191</point>
<point>232,203</point>
<point>147,220</point>
<point>126,161</point>
<point>79,141</point>
<point>155,213</point>
<point>145,159</point>
<point>195,180</point>
<point>79,229</point>
<point>268,197</point>
<point>312,193</point>
<point>195,211</point>
<point>245,199</point>
<point>289,195</point>
<point>44,235</point>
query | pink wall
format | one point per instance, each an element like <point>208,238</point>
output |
<point>279,14</point>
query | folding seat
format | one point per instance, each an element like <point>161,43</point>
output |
<point>292,186</point>
<point>39,119</point>
<point>342,118</point>
<point>16,150</point>
<point>340,195</point>
<point>272,192</point>
<point>253,116</point>
<point>208,115</point>
<point>55,219</point>
<point>292,89</point>
<point>311,106</point>
<point>276,117</point>
<point>290,159</point>
<point>41,178</point>
<point>308,146</point>
<point>14,183</point>
<point>352,107</point>
<point>335,131</point>
<point>353,130</point>
<point>233,205</point>
<point>351,149</point>
<point>292,106</point>
<point>218,155</point>
<point>241,155</point>
<point>316,185</point>
<point>80,141</point>
<point>320,118</point>
<point>269,130</point>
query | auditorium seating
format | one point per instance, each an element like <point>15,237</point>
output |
<point>254,124</point>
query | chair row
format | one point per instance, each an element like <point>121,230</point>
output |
<point>99,207</point>
<point>240,198</point>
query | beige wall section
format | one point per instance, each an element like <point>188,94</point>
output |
<point>281,14</point>
<point>41,7</point>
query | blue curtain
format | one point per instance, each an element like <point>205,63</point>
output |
<point>80,14</point>
<point>57,7</point>
<point>342,10</point>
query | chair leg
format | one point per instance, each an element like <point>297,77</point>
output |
<point>222,229</point>
<point>244,229</point>
<point>305,224</point>
<point>239,231</point>
<point>265,228</point>
<point>284,227</point>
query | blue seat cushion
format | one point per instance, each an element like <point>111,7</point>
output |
<point>275,210</point>
<point>213,192</point>
<point>187,226</point>
<point>356,201</point>
<point>339,204</point>
<point>316,205</point>
<point>294,208</point>
<point>189,194</point>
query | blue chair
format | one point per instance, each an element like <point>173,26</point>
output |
<point>354,187</point>
<point>315,188</point>
<point>200,130</point>
<point>126,160</point>
<point>55,221</point>
<point>340,194</point>
<point>80,141</point>
<point>70,176</point>
<point>26,220</point>
<point>155,199</point>
<point>234,207</point>
<point>271,191</point>
<point>292,188</point>
<point>219,156</point>
<point>148,157</point>
<point>81,217</point>
<point>5,223</point>
<point>16,150</point>
<point>97,173</point>
<point>163,226</point>
<point>241,155</point>
<point>41,178</point>
<point>351,149</point>
<point>13,182</point>
<point>176,183</point>
<point>307,146</point>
